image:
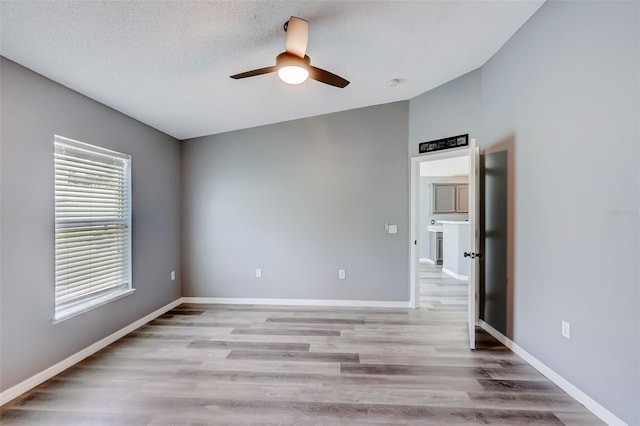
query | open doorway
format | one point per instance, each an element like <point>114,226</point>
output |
<point>488,262</point>
<point>443,198</point>
<point>444,229</point>
<point>440,195</point>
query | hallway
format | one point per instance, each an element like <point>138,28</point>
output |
<point>441,292</point>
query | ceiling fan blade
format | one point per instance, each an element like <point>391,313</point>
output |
<point>297,36</point>
<point>326,77</point>
<point>253,73</point>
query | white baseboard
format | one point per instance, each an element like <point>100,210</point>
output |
<point>33,381</point>
<point>296,302</point>
<point>454,275</point>
<point>605,415</point>
<point>426,260</point>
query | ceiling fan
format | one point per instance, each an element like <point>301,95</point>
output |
<point>293,65</point>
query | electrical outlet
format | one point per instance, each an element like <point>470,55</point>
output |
<point>342,274</point>
<point>566,330</point>
<point>258,273</point>
<point>173,275</point>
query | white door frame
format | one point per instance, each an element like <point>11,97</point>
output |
<point>414,216</point>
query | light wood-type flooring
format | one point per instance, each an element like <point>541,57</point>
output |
<point>283,365</point>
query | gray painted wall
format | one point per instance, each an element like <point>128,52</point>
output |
<point>300,200</point>
<point>33,109</point>
<point>566,87</point>
<point>449,110</point>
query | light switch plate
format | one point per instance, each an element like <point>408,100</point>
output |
<point>566,330</point>
<point>173,275</point>
<point>342,274</point>
<point>393,229</point>
<point>258,273</point>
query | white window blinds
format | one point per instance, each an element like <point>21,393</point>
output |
<point>92,226</point>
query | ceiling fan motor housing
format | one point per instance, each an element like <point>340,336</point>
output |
<point>286,59</point>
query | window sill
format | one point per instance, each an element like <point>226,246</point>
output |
<point>92,304</point>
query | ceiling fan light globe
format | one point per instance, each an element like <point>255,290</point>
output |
<point>292,74</point>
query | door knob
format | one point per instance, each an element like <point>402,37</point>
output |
<point>472,255</point>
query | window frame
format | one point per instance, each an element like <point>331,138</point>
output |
<point>107,295</point>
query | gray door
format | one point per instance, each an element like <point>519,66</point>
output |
<point>493,240</point>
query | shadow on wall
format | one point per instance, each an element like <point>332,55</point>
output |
<point>497,235</point>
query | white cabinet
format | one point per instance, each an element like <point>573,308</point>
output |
<point>450,198</point>
<point>436,247</point>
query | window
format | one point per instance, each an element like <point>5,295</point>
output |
<point>92,226</point>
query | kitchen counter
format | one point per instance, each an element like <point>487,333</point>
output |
<point>456,240</point>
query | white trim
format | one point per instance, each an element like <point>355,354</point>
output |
<point>605,415</point>
<point>454,275</point>
<point>414,177</point>
<point>33,381</point>
<point>90,305</point>
<point>296,302</point>
<point>414,232</point>
<point>426,260</point>
<point>86,147</point>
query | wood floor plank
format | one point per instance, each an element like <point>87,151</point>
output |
<point>175,336</point>
<point>520,386</point>
<point>270,366</point>
<point>553,401</point>
<point>176,312</point>
<point>60,417</point>
<point>488,364</point>
<point>583,418</point>
<point>316,320</point>
<point>286,332</point>
<point>301,325</point>
<point>297,356</point>
<point>258,346</point>
<point>162,322</point>
<point>413,370</point>
<point>373,349</point>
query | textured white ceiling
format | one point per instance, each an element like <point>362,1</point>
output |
<point>167,63</point>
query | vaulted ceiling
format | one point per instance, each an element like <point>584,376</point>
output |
<point>167,63</point>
